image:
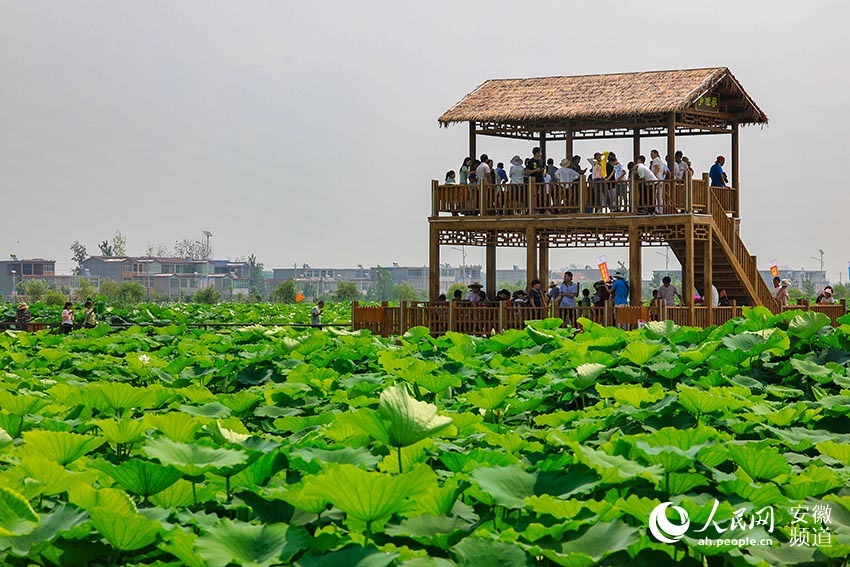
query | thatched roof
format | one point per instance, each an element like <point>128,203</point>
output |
<point>591,98</point>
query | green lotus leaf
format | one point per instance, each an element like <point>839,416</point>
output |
<point>350,556</point>
<point>701,402</point>
<point>60,446</point>
<point>639,353</point>
<point>125,532</point>
<point>632,394</point>
<point>241,402</point>
<point>409,420</point>
<point>17,517</point>
<point>118,396</point>
<point>108,499</point>
<point>193,460</point>
<point>177,426</point>
<point>490,398</point>
<point>178,495</point>
<point>808,324</point>
<point>813,370</point>
<point>613,468</point>
<point>681,482</point>
<point>142,478</point>
<point>701,353</point>
<point>63,518</point>
<point>295,424</point>
<point>181,544</point>
<point>439,531</point>
<point>250,545</point>
<point>123,431</point>
<point>599,541</point>
<point>477,551</point>
<point>839,451</point>
<point>508,486</point>
<point>48,476</point>
<point>672,459</point>
<point>586,374</point>
<point>347,455</point>
<point>213,410</point>
<point>369,496</point>
<point>5,438</point>
<point>759,462</point>
<point>814,481</point>
<point>21,404</point>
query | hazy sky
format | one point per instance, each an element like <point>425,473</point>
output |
<point>306,132</point>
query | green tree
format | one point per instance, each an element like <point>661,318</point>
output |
<point>256,275</point>
<point>459,286</point>
<point>381,288</point>
<point>79,256</point>
<point>85,290</point>
<point>131,293</point>
<point>109,290</point>
<point>119,244</point>
<point>347,291</point>
<point>54,297</point>
<point>208,295</point>
<point>404,292</point>
<point>35,290</point>
<point>309,289</point>
<point>284,293</point>
<point>106,248</point>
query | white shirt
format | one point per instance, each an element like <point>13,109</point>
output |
<point>679,170</point>
<point>566,175</point>
<point>483,172</point>
<point>619,172</point>
<point>644,173</point>
<point>656,165</point>
<point>516,174</point>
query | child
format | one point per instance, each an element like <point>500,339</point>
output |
<point>585,303</point>
<point>67,318</point>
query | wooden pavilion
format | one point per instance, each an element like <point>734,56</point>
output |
<point>698,222</point>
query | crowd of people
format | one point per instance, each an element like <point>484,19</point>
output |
<point>607,176</point>
<point>23,317</point>
<point>782,297</point>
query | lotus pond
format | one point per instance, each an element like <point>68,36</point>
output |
<point>263,446</point>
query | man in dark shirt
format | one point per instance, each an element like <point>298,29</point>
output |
<point>534,166</point>
<point>536,297</point>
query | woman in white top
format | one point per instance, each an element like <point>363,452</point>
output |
<point>517,171</point>
<point>67,318</point>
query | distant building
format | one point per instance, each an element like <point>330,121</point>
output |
<point>15,272</point>
<point>172,278</point>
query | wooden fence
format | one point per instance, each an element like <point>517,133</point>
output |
<point>494,317</point>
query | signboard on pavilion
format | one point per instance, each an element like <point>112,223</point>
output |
<point>709,102</point>
<point>602,263</point>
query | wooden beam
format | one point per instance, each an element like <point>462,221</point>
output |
<point>708,277</point>
<point>635,143</point>
<point>688,266</point>
<point>569,140</point>
<point>542,143</point>
<point>490,266</point>
<point>472,139</point>
<point>635,267</point>
<point>671,141</point>
<point>736,169</point>
<point>530,254</point>
<point>434,264</point>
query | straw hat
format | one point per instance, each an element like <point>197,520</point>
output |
<point>516,160</point>
<point>475,285</point>
<point>23,305</point>
<point>785,283</point>
<point>565,162</point>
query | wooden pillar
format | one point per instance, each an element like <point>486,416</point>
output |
<point>708,277</point>
<point>569,149</point>
<point>530,254</point>
<point>736,169</point>
<point>688,266</point>
<point>490,266</point>
<point>472,139</point>
<point>434,264</point>
<point>635,143</point>
<point>542,144</point>
<point>543,261</point>
<point>671,141</point>
<point>635,267</point>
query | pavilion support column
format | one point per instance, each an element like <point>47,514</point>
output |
<point>434,264</point>
<point>635,142</point>
<point>736,169</point>
<point>635,267</point>
<point>472,149</point>
<point>671,141</point>
<point>490,265</point>
<point>688,266</point>
<point>530,254</point>
<point>569,150</point>
<point>543,261</point>
<point>542,144</point>
<point>708,276</point>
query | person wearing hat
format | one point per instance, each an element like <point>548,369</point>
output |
<point>474,295</point>
<point>517,171</point>
<point>23,317</point>
<point>716,173</point>
<point>825,297</point>
<point>781,295</point>
<point>553,291</point>
<point>620,289</point>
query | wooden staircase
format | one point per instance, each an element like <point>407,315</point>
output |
<point>733,268</point>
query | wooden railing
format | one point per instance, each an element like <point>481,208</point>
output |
<point>728,228</point>
<point>485,319</point>
<point>668,196</point>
